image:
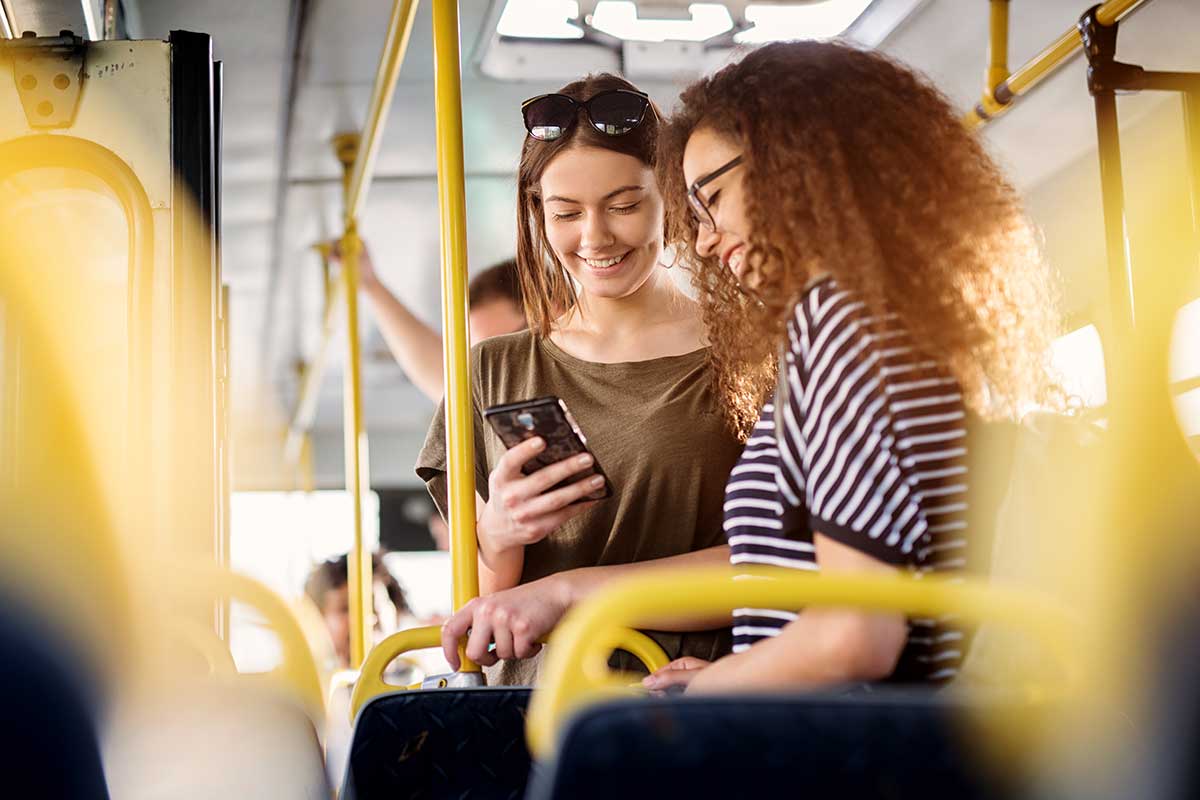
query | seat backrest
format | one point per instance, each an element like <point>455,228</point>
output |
<point>440,743</point>
<point>1038,536</point>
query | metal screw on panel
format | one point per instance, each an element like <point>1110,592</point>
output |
<point>29,82</point>
<point>45,108</point>
<point>61,81</point>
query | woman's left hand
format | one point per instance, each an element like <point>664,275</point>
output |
<point>679,672</point>
<point>514,619</point>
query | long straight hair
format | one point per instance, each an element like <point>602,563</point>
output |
<point>545,284</point>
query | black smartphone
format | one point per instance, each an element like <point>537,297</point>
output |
<point>549,418</point>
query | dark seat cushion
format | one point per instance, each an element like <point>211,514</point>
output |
<point>460,743</point>
<point>885,743</point>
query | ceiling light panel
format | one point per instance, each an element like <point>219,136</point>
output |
<point>772,23</point>
<point>620,18</point>
<point>540,19</point>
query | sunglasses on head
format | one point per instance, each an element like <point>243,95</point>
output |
<point>614,112</point>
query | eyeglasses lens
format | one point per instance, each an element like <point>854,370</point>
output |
<point>617,113</point>
<point>548,118</point>
<point>700,212</point>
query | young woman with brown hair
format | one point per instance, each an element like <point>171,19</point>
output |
<point>837,213</point>
<point>612,335</point>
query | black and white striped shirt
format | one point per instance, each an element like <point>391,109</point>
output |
<point>865,444</point>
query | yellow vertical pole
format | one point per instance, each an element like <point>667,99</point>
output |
<point>997,69</point>
<point>358,566</point>
<point>460,445</point>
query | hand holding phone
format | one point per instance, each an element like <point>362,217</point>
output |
<point>546,477</point>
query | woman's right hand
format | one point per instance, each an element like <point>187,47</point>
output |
<point>520,511</point>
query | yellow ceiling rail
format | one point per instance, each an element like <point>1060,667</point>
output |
<point>356,185</point>
<point>999,97</point>
<point>460,443</point>
<point>575,672</point>
<point>400,25</point>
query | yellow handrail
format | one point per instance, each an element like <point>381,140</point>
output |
<point>575,672</point>
<point>998,98</point>
<point>460,443</point>
<point>370,682</point>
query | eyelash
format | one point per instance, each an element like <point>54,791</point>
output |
<point>712,201</point>
<point>629,209</point>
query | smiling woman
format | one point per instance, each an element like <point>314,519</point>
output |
<point>612,335</point>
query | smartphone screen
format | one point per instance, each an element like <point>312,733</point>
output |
<point>549,418</point>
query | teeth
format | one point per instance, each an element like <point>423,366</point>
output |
<point>608,262</point>
<point>735,261</point>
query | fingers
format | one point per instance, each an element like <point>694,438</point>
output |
<point>509,465</point>
<point>678,673</point>
<point>479,639</point>
<point>560,498</point>
<point>502,634</point>
<point>455,628</point>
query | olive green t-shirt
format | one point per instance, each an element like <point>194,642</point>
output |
<point>656,430</point>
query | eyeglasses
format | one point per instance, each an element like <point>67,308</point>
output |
<point>614,112</point>
<point>699,209</point>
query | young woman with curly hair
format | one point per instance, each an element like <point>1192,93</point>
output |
<point>612,335</point>
<point>836,212</point>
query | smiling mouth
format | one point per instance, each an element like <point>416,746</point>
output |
<point>605,264</point>
<point>734,260</point>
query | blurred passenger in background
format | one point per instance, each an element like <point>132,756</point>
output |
<point>327,587</point>
<point>495,303</point>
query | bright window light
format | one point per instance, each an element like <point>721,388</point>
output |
<point>620,18</point>
<point>540,19</point>
<point>1078,357</point>
<point>809,21</point>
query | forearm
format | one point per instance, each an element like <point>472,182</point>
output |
<point>500,571</point>
<point>582,583</point>
<point>416,346</point>
<point>819,648</point>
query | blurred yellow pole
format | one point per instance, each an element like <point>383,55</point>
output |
<point>358,564</point>
<point>460,444</point>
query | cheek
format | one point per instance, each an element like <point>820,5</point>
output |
<point>564,239</point>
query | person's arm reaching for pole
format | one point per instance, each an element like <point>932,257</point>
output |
<point>416,346</point>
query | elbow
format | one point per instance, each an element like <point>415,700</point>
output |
<point>868,648</point>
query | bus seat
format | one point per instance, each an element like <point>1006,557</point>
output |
<point>213,739</point>
<point>48,742</point>
<point>460,743</point>
<point>878,742</point>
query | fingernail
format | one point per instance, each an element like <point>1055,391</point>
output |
<point>649,682</point>
<point>538,443</point>
<point>584,460</point>
<point>597,482</point>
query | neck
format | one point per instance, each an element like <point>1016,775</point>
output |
<point>656,300</point>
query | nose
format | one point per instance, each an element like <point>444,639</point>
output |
<point>596,236</point>
<point>707,240</point>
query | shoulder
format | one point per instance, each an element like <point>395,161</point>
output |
<point>505,346</point>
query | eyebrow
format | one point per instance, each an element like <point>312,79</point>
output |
<point>630,188</point>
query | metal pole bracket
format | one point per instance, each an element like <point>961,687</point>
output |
<point>1105,73</point>
<point>48,72</point>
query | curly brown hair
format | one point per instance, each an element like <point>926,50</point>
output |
<point>545,284</point>
<point>859,169</point>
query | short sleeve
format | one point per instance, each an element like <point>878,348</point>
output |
<point>431,463</point>
<point>838,445</point>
